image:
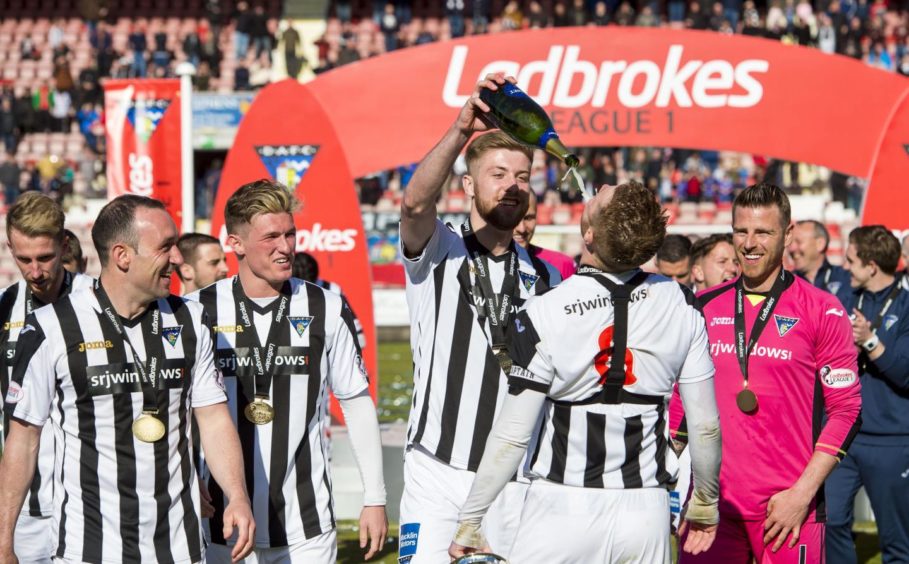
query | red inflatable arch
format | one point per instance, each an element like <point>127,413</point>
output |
<point>603,86</point>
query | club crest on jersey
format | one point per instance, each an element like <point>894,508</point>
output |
<point>834,287</point>
<point>784,324</point>
<point>14,394</point>
<point>528,280</point>
<point>287,163</point>
<point>171,334</point>
<point>300,324</point>
<point>145,115</point>
<point>890,321</point>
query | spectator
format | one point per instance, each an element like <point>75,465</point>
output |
<point>9,178</point>
<point>696,18</point>
<point>512,18</point>
<point>63,77</point>
<point>647,18</point>
<point>536,19</point>
<point>211,52</point>
<point>60,110</point>
<point>55,34</point>
<point>261,38</point>
<point>42,99</point>
<point>578,14</point>
<point>260,72</point>
<point>389,27</point>
<point>600,15</point>
<point>625,15</point>
<point>676,11</point>
<point>89,118</point>
<point>241,77</point>
<point>290,39</point>
<point>244,21</point>
<point>161,56</point>
<point>454,10</point>
<point>716,16</point>
<point>8,127</point>
<point>879,57</point>
<point>560,17</point>
<point>138,44</point>
<point>732,11</point>
<point>192,48</point>
<point>27,49</point>
<point>480,16</point>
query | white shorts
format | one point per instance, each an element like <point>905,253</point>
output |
<point>433,495</point>
<point>322,549</point>
<point>35,539</point>
<point>570,525</point>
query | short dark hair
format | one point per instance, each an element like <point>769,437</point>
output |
<point>675,248</point>
<point>115,223</point>
<point>306,267</point>
<point>703,247</point>
<point>72,252</point>
<point>820,231</point>
<point>764,195</point>
<point>189,243</point>
<point>876,243</point>
<point>630,229</point>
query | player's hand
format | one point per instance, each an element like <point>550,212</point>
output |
<point>208,510</point>
<point>700,537</point>
<point>861,327</point>
<point>471,119</point>
<point>8,557</point>
<point>456,551</point>
<point>373,529</point>
<point>239,514</point>
<point>786,512</point>
<point>468,539</point>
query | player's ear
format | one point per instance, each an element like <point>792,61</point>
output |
<point>235,242</point>
<point>697,273</point>
<point>186,272</point>
<point>121,255</point>
<point>468,185</point>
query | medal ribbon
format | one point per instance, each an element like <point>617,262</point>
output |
<point>497,306</point>
<point>262,382</point>
<point>741,351</point>
<point>154,348</point>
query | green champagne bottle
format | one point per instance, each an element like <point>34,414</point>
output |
<point>515,113</point>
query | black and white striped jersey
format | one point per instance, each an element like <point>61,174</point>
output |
<point>336,288</point>
<point>39,501</point>
<point>561,344</point>
<point>287,470</point>
<point>117,499</point>
<point>458,383</point>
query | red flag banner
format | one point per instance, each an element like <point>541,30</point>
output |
<point>142,123</point>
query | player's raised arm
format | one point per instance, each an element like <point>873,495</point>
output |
<point>418,207</point>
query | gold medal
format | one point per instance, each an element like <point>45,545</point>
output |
<point>259,411</point>
<point>148,428</point>
<point>746,400</point>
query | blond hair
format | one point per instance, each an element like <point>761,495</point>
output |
<point>259,197</point>
<point>34,215</point>
<point>491,141</point>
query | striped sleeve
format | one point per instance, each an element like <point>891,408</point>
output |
<point>31,388</point>
<point>837,371</point>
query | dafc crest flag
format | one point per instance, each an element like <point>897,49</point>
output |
<point>288,136</point>
<point>142,123</point>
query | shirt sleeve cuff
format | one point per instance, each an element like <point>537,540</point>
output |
<point>830,449</point>
<point>885,362</point>
<point>29,418</point>
<point>210,399</point>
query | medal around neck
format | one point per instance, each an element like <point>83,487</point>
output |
<point>259,412</point>
<point>148,428</point>
<point>503,359</point>
<point>747,401</point>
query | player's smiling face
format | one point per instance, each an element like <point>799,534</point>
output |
<point>759,238</point>
<point>157,256</point>
<point>268,245</point>
<point>499,185</point>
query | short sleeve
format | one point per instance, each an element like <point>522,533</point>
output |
<point>435,251</point>
<point>698,363</point>
<point>33,381</point>
<point>531,366</point>
<point>208,382</point>
<point>347,374</point>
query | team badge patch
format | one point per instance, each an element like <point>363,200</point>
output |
<point>528,279</point>
<point>784,324</point>
<point>890,321</point>
<point>287,163</point>
<point>407,542</point>
<point>834,287</point>
<point>300,324</point>
<point>172,334</point>
<point>14,394</point>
